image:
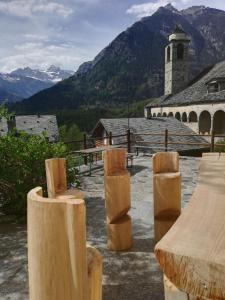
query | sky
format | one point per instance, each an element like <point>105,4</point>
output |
<point>66,33</point>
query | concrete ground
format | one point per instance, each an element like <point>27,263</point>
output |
<point>130,275</point>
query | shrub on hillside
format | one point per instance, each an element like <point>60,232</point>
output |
<point>22,167</point>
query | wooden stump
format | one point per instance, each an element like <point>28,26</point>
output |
<point>94,259</point>
<point>58,263</point>
<point>120,234</point>
<point>166,192</point>
<point>117,197</point>
<point>57,181</point>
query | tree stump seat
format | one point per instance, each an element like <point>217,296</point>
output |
<point>60,263</point>
<point>57,181</point>
<point>166,191</point>
<point>117,200</point>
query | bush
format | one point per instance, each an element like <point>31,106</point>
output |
<point>71,133</point>
<point>22,167</point>
<point>218,148</point>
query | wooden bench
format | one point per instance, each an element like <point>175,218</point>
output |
<point>192,253</point>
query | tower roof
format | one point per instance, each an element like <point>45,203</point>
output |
<point>178,29</point>
<point>178,34</point>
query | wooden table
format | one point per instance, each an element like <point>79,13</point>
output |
<point>89,153</point>
<point>192,253</point>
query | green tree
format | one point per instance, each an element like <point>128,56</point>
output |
<point>4,112</point>
<point>71,133</point>
<point>23,168</point>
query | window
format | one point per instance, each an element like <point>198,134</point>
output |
<point>168,54</point>
<point>180,51</point>
<point>213,87</point>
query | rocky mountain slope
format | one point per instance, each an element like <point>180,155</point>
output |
<point>23,83</point>
<point>131,67</point>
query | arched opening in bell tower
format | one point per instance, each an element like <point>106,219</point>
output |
<point>168,53</point>
<point>180,51</point>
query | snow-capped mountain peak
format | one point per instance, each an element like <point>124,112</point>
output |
<point>25,82</point>
<point>51,74</point>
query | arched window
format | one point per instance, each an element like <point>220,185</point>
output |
<point>177,116</point>
<point>168,53</point>
<point>170,114</point>
<point>164,114</point>
<point>154,115</point>
<point>219,122</point>
<point>158,115</point>
<point>180,51</point>
<point>184,117</point>
<point>193,118</point>
<point>204,122</point>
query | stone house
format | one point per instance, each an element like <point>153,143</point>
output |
<point>32,124</point>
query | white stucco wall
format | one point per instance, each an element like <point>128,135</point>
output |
<point>197,108</point>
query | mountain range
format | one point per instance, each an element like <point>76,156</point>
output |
<point>131,67</point>
<point>23,83</point>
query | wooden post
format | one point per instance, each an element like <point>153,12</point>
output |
<point>166,191</point>
<point>85,147</point>
<point>56,180</point>
<point>128,141</point>
<point>110,138</point>
<point>166,140</point>
<point>117,197</point>
<point>212,140</point>
<point>60,265</point>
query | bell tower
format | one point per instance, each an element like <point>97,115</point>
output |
<point>176,62</point>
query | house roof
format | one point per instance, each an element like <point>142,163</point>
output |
<point>197,92</point>
<point>34,124</point>
<point>153,125</point>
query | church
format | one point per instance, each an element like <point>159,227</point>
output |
<point>199,104</point>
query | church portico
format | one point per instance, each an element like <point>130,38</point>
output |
<point>199,117</point>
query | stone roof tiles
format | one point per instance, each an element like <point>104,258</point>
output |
<point>33,124</point>
<point>153,125</point>
<point>196,93</point>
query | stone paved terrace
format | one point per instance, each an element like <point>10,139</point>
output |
<point>132,275</point>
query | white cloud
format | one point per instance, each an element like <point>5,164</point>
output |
<point>147,9</point>
<point>40,55</point>
<point>27,8</point>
